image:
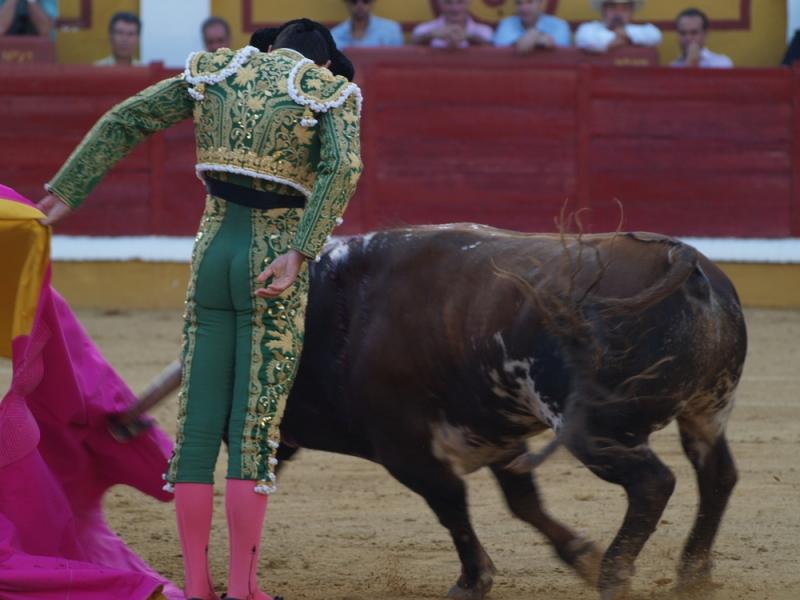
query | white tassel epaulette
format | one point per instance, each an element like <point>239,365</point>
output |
<point>308,119</point>
<point>198,81</point>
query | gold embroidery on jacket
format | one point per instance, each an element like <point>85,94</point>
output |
<point>337,175</point>
<point>117,132</point>
<point>246,125</point>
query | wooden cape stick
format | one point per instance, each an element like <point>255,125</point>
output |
<point>128,424</point>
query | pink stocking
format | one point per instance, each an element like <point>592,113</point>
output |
<point>245,510</point>
<point>194,505</point>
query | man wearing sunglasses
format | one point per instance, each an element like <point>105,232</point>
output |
<point>365,29</point>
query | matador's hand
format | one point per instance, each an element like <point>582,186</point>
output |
<point>283,271</point>
<point>55,209</point>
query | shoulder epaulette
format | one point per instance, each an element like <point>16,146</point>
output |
<point>319,90</point>
<point>204,68</point>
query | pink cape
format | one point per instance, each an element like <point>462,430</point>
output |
<point>57,457</point>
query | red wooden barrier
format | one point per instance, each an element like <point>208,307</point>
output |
<point>470,136</point>
<point>26,49</point>
<point>152,191</point>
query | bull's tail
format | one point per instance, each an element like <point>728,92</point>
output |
<point>528,461</point>
<point>683,262</point>
<point>573,333</point>
<point>574,419</point>
<point>585,390</point>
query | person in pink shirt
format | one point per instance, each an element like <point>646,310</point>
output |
<point>454,28</point>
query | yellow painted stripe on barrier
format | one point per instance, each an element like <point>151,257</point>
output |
<point>145,285</point>
<point>765,285</point>
<point>121,285</point>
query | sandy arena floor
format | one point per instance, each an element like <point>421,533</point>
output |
<point>342,529</point>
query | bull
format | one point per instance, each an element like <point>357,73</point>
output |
<point>437,351</point>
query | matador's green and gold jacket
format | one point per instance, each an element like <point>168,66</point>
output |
<point>272,121</point>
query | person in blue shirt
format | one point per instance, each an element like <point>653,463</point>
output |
<point>28,17</point>
<point>531,28</point>
<point>365,29</point>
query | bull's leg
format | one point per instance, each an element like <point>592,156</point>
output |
<point>716,477</point>
<point>445,493</point>
<point>523,500</point>
<point>648,484</point>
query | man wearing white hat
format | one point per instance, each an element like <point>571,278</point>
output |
<point>616,29</point>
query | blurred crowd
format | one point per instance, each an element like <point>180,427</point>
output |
<point>530,30</point>
<point>28,17</point>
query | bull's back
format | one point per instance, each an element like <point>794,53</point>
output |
<point>460,283</point>
<point>682,353</point>
<point>429,310</point>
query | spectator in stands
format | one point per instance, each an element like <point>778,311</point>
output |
<point>616,29</point>
<point>455,28</point>
<point>123,34</point>
<point>216,34</point>
<point>531,28</point>
<point>792,50</point>
<point>692,27</point>
<point>28,17</point>
<point>365,29</point>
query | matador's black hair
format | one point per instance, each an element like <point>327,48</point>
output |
<point>340,64</point>
<point>306,40</point>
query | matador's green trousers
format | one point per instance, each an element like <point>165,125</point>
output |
<point>240,352</point>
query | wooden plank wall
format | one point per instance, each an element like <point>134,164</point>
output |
<point>694,153</point>
<point>474,136</point>
<point>152,191</point>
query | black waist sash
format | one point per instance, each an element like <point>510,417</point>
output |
<point>238,194</point>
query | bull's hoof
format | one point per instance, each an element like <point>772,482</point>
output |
<point>474,593</point>
<point>694,577</point>
<point>586,560</point>
<point>478,591</point>
<point>616,591</point>
<point>615,584</point>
